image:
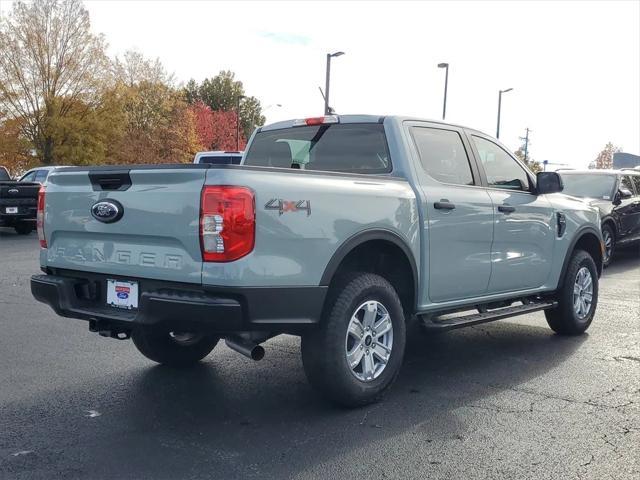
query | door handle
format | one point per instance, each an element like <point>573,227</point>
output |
<point>444,204</point>
<point>506,208</point>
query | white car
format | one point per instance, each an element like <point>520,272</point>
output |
<point>218,157</point>
<point>38,174</point>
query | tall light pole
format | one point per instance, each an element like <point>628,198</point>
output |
<point>327,110</point>
<point>446,83</point>
<point>499,107</point>
<point>240,97</point>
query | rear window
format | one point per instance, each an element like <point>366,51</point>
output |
<point>352,148</point>
<point>221,159</point>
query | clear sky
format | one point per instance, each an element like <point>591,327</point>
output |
<point>574,66</point>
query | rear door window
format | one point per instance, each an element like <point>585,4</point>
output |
<point>442,155</point>
<point>352,148</point>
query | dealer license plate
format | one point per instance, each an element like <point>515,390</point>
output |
<point>122,294</point>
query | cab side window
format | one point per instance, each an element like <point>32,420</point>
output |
<point>501,169</point>
<point>636,182</point>
<point>442,155</point>
<point>625,182</point>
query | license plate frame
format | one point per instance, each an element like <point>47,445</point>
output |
<point>122,294</point>
<point>11,209</point>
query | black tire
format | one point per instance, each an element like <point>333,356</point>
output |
<point>564,320</point>
<point>324,350</point>
<point>23,228</point>
<point>164,348</point>
<point>608,234</point>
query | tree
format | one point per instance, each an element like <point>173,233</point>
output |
<point>221,93</point>
<point>533,165</point>
<point>224,132</point>
<point>605,157</point>
<point>84,135</point>
<point>134,68</point>
<point>50,62</point>
<point>203,121</point>
<point>14,149</point>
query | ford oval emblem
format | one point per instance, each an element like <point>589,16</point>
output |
<point>107,211</point>
<point>13,190</point>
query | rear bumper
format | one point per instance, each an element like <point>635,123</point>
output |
<point>182,307</point>
<point>11,219</point>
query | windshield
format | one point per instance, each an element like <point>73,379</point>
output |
<point>355,148</point>
<point>589,185</point>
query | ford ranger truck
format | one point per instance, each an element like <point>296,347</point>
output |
<point>338,229</point>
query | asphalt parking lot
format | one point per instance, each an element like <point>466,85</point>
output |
<point>505,400</point>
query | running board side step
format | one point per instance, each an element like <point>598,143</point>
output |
<point>485,317</point>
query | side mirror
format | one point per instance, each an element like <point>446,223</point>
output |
<point>548,182</point>
<point>625,193</point>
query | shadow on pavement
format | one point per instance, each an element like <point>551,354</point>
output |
<point>230,418</point>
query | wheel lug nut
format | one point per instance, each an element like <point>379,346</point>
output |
<point>361,347</point>
<point>367,352</point>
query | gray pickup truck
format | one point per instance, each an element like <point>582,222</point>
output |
<point>336,229</point>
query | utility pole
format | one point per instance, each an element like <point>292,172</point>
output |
<point>525,139</point>
<point>240,97</point>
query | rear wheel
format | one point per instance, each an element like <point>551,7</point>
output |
<point>609,239</point>
<point>577,297</point>
<point>176,349</point>
<point>23,228</point>
<point>356,354</point>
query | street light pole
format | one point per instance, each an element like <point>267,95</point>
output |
<point>499,108</point>
<point>240,97</point>
<point>327,109</point>
<point>446,83</point>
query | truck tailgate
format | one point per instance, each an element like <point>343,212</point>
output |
<point>157,236</point>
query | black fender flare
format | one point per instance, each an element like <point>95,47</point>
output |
<point>580,233</point>
<point>365,236</point>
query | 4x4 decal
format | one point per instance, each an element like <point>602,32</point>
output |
<point>284,206</point>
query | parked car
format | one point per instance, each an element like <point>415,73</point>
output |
<point>337,229</point>
<point>38,174</point>
<point>218,158</point>
<point>616,193</point>
<point>4,174</point>
<point>18,205</point>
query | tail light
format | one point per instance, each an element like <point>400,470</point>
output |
<point>227,223</point>
<point>40,218</point>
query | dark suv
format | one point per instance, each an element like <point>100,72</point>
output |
<point>617,194</point>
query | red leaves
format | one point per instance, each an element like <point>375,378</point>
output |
<point>216,130</point>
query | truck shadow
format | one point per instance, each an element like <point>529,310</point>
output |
<point>235,418</point>
<point>624,260</point>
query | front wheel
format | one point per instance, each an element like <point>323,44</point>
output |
<point>577,297</point>
<point>176,349</point>
<point>609,239</point>
<point>356,354</point>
